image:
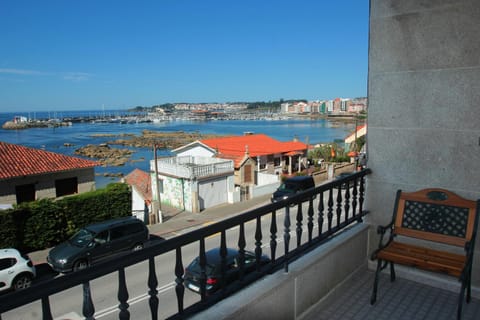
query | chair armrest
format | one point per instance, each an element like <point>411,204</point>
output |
<point>382,230</point>
<point>468,247</point>
<point>469,251</point>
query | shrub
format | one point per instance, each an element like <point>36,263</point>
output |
<point>111,202</point>
<point>12,222</point>
<point>44,224</point>
<point>41,224</point>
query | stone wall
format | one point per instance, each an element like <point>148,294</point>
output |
<point>423,94</point>
<point>45,184</point>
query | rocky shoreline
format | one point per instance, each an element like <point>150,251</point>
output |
<point>110,156</point>
<point>11,125</point>
<point>163,140</point>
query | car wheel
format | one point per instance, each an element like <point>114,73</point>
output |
<point>138,246</point>
<point>22,281</point>
<point>80,265</point>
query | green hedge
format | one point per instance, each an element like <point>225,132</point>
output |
<point>44,223</point>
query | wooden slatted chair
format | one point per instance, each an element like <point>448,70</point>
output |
<point>435,216</point>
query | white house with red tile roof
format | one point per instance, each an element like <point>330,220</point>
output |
<point>270,155</point>
<point>141,184</point>
<point>210,172</point>
<point>360,131</point>
<point>28,174</point>
<point>195,148</point>
<point>258,159</point>
<point>351,140</point>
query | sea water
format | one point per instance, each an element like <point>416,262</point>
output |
<point>66,140</point>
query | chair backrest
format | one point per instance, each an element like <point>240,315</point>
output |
<point>437,215</point>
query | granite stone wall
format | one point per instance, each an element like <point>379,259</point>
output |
<point>424,98</point>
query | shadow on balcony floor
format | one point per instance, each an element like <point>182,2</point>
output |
<point>402,299</point>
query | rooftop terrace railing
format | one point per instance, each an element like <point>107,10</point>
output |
<point>330,207</point>
<point>193,167</point>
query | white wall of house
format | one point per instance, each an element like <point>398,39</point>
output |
<point>197,150</point>
<point>234,196</point>
<point>194,183</point>
<point>212,192</point>
<point>174,191</point>
<point>194,195</point>
<point>138,204</point>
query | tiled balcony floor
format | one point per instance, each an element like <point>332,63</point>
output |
<point>402,299</point>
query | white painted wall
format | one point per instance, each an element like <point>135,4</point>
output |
<point>138,204</point>
<point>212,192</point>
<point>267,178</point>
<point>265,189</point>
<point>196,151</point>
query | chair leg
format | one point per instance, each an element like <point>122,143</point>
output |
<point>375,282</point>
<point>469,286</point>
<point>392,272</point>
<point>460,301</point>
<point>469,292</point>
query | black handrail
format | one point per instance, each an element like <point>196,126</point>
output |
<point>351,205</point>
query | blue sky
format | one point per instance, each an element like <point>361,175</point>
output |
<point>82,55</point>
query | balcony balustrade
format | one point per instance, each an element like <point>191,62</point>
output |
<point>329,208</point>
<point>193,167</point>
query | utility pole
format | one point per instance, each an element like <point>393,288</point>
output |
<point>356,146</point>
<point>306,160</point>
<point>157,183</point>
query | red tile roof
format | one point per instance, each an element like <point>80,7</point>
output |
<point>357,131</point>
<point>257,144</point>
<point>235,147</point>
<point>141,181</point>
<point>19,161</point>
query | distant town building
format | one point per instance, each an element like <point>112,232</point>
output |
<point>336,106</point>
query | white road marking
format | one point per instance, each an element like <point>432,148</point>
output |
<point>112,309</point>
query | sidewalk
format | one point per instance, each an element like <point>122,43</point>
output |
<point>175,220</point>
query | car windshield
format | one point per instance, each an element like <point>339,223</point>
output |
<point>82,238</point>
<point>287,187</point>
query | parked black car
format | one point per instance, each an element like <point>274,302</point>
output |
<point>97,242</point>
<point>213,269</point>
<point>345,184</point>
<point>292,186</point>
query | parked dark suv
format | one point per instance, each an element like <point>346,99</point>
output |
<point>97,242</point>
<point>292,186</point>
